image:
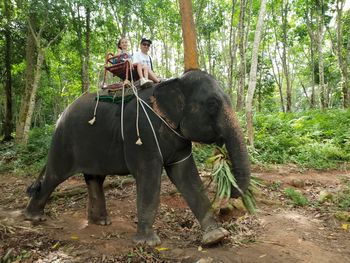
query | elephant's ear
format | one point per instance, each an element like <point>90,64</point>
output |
<point>169,101</point>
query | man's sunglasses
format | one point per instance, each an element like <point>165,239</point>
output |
<point>146,44</point>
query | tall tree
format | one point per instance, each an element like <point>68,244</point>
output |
<point>253,73</point>
<point>320,37</point>
<point>8,122</point>
<point>82,26</point>
<point>343,52</point>
<point>21,137</point>
<point>37,47</point>
<point>285,8</point>
<point>232,48</point>
<point>242,55</point>
<point>189,35</point>
<point>309,14</point>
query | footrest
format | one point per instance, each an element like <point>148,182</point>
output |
<point>114,86</point>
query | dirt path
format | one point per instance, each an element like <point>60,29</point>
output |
<point>279,232</point>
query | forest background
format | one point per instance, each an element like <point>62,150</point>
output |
<point>53,51</point>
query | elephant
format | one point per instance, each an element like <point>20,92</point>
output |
<point>125,140</point>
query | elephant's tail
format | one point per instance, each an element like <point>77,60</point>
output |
<point>35,187</point>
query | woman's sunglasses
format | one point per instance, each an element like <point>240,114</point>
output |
<point>146,44</point>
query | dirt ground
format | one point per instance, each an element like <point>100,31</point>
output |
<point>279,232</point>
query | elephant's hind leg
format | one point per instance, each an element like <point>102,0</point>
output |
<point>97,212</point>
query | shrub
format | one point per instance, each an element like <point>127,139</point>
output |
<point>297,198</point>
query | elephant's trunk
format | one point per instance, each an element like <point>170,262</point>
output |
<point>237,151</point>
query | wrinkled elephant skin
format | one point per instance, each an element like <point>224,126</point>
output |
<point>194,105</point>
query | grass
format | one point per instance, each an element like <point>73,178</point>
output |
<point>296,197</point>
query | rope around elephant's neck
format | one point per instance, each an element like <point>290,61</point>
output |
<point>164,121</point>
<point>153,131</point>
<point>155,135</point>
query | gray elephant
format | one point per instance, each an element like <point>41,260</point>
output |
<point>179,111</point>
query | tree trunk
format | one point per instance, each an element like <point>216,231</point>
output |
<point>312,66</point>
<point>77,25</point>
<point>189,35</point>
<point>30,64</point>
<point>313,43</point>
<point>86,52</point>
<point>31,102</point>
<point>210,66</point>
<point>252,74</point>
<point>320,34</point>
<point>285,56</point>
<point>242,70</point>
<point>277,78</point>
<point>8,127</point>
<point>232,50</point>
<point>343,56</point>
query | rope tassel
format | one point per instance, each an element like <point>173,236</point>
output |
<point>138,142</point>
<point>92,121</point>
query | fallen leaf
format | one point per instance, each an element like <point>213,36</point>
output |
<point>74,237</point>
<point>345,227</point>
<point>162,248</point>
<point>56,245</point>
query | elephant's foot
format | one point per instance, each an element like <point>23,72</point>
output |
<point>213,236</point>
<point>103,221</point>
<point>150,240</point>
<point>34,216</point>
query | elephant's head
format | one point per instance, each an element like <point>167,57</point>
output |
<point>196,105</point>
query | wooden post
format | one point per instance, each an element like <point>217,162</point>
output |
<point>189,35</point>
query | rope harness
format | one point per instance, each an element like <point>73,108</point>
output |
<point>140,101</point>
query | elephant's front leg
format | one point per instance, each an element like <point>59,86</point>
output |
<point>148,182</point>
<point>97,213</point>
<point>186,178</point>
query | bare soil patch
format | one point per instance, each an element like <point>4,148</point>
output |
<point>280,232</point>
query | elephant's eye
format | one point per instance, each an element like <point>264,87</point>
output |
<point>213,105</point>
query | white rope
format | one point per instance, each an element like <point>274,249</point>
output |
<point>180,161</point>
<point>92,121</point>
<point>122,114</point>
<point>160,117</point>
<point>134,89</point>
<point>154,133</point>
<point>141,102</point>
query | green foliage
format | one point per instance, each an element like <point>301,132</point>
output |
<point>297,198</point>
<point>313,139</point>
<point>225,180</point>
<point>274,186</point>
<point>201,152</point>
<point>342,198</point>
<point>28,159</point>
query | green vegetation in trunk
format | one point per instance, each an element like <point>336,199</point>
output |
<point>225,180</point>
